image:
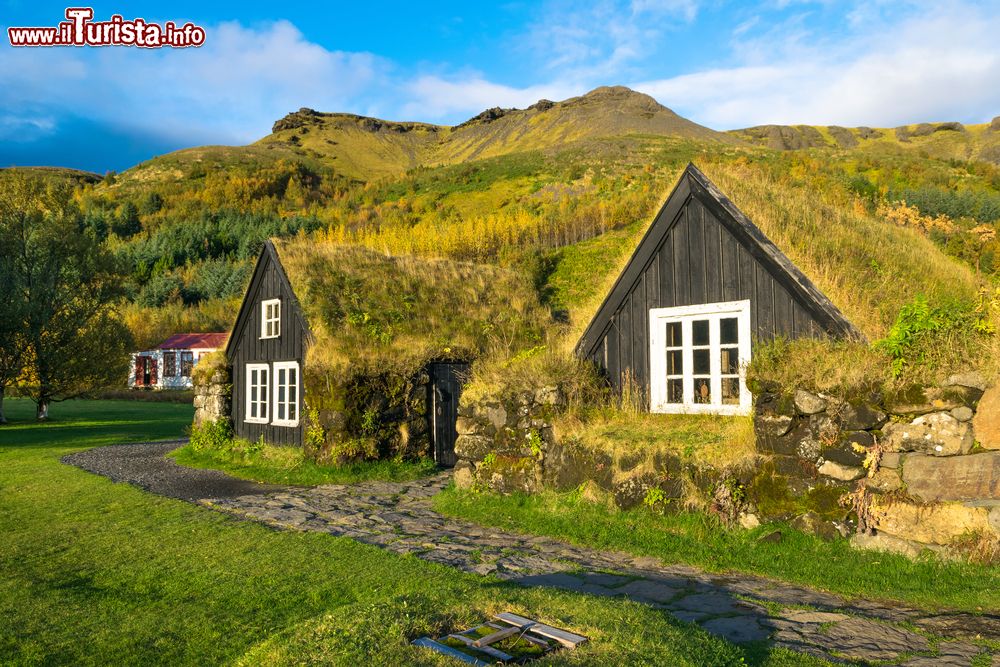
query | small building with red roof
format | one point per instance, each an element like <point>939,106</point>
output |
<point>169,364</point>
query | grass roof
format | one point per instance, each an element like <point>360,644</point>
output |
<point>374,311</point>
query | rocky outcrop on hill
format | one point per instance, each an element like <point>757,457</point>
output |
<point>301,118</point>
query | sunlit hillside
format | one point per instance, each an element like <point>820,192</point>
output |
<point>559,192</point>
<point>945,141</point>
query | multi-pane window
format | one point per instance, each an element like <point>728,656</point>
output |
<point>675,363</point>
<point>270,318</point>
<point>257,393</point>
<point>286,393</point>
<point>698,358</point>
<point>169,364</point>
<point>187,363</point>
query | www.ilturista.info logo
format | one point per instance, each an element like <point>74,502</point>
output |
<point>80,30</point>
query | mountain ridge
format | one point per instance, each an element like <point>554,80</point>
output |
<point>366,148</point>
<point>602,112</point>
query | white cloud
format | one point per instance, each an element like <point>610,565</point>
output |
<point>25,128</point>
<point>938,65</point>
<point>601,41</point>
<point>231,89</point>
<point>686,9</point>
<point>433,97</point>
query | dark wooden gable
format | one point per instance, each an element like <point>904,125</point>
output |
<point>245,345</point>
<point>702,249</point>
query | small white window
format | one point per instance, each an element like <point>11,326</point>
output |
<point>698,358</point>
<point>270,318</point>
<point>257,393</point>
<point>286,393</point>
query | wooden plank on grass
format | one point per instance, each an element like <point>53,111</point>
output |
<point>498,635</point>
<point>444,649</point>
<point>488,650</point>
<point>537,641</point>
<point>567,639</point>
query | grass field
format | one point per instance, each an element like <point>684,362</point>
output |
<point>699,540</point>
<point>93,572</point>
<point>283,465</point>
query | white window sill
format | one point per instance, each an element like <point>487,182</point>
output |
<point>285,422</point>
<point>256,420</point>
<point>681,409</point>
<point>270,337</point>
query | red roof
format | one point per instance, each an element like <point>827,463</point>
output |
<point>190,341</point>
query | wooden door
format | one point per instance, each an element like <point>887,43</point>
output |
<point>445,389</point>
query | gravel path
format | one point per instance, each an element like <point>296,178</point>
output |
<point>145,465</point>
<point>742,608</point>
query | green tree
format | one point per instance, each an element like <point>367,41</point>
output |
<point>69,335</point>
<point>12,318</point>
<point>127,225</point>
<point>151,203</point>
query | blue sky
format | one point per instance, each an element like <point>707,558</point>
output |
<point>722,64</point>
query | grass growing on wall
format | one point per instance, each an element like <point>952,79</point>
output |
<point>719,442</point>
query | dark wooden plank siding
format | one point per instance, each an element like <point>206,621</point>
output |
<point>697,260</point>
<point>249,347</point>
<point>713,258</point>
<point>730,265</point>
<point>748,286</point>
<point>664,260</point>
<point>640,335</point>
<point>614,367</point>
<point>784,317</point>
<point>625,334</point>
<point>681,266</point>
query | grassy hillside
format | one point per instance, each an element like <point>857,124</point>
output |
<point>559,192</point>
<point>366,147</point>
<point>944,141</point>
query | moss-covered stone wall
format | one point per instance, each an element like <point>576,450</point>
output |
<point>908,470</point>
<point>366,416</point>
<point>507,443</point>
<point>213,391</point>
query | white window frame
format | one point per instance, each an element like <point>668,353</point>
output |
<point>270,327</point>
<point>291,397</point>
<point>713,312</point>
<point>263,397</point>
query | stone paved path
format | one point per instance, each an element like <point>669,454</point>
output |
<point>741,608</point>
<point>144,464</point>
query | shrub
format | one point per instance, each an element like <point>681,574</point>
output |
<point>217,435</point>
<point>923,333</point>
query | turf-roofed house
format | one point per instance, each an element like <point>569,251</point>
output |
<point>356,354</point>
<point>702,286</point>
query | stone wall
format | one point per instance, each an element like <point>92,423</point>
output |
<point>213,392</point>
<point>367,416</point>
<point>921,465</point>
<point>507,444</point>
<point>918,469</point>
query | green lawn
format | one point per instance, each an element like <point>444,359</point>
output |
<point>699,540</point>
<point>96,572</point>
